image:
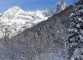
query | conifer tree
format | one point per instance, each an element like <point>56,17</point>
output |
<point>75,36</point>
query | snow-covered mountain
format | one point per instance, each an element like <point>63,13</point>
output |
<point>15,20</point>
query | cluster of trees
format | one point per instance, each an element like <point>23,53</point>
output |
<point>75,36</point>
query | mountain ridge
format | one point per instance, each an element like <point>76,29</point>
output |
<point>15,20</point>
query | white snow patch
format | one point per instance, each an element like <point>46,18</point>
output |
<point>81,10</point>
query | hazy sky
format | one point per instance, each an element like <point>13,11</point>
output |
<point>30,5</point>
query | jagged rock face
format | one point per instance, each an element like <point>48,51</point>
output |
<point>63,5</point>
<point>45,41</point>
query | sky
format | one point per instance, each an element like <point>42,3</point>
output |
<point>30,5</point>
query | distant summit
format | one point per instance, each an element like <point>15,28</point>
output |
<point>63,5</point>
<point>55,9</point>
<point>11,12</point>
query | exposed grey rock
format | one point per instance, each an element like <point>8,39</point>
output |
<point>63,5</point>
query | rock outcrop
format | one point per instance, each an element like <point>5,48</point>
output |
<point>63,5</point>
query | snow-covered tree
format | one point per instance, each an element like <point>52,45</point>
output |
<point>75,36</point>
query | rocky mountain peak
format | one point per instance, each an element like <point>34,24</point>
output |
<point>63,5</point>
<point>11,12</point>
<point>14,9</point>
<point>55,9</point>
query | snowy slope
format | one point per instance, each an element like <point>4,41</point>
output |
<point>15,20</point>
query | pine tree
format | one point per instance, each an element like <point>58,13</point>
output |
<point>75,36</point>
